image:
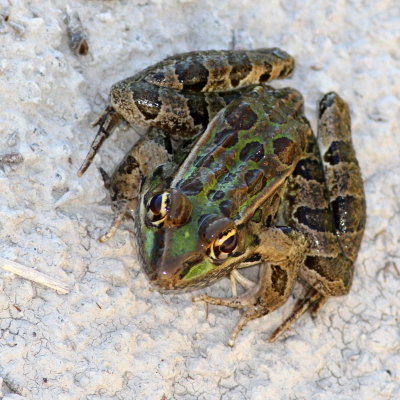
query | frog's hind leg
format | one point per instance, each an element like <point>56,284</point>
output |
<point>342,174</point>
<point>313,299</point>
<point>325,201</point>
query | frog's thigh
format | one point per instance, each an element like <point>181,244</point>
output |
<point>342,172</point>
<point>219,70</point>
<point>182,115</point>
<point>328,207</point>
<point>142,159</point>
<point>306,208</point>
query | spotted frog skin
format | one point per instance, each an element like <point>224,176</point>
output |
<point>230,175</point>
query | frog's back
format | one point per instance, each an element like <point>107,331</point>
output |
<point>247,152</point>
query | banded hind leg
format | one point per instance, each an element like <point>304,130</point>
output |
<point>325,201</point>
<point>166,95</point>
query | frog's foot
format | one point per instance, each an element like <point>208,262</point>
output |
<point>107,122</point>
<point>125,200</point>
<point>118,217</point>
<point>313,301</point>
<point>249,301</point>
<point>120,210</point>
<point>250,314</point>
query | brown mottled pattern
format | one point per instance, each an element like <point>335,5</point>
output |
<point>342,172</point>
<point>332,227</point>
<point>218,70</point>
<point>280,278</point>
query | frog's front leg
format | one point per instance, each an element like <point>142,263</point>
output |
<point>282,252</point>
<point>143,158</point>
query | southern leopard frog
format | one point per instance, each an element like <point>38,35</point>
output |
<point>230,175</point>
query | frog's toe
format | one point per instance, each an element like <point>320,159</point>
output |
<point>120,212</point>
<point>242,280</point>
<point>250,314</point>
<point>238,302</point>
<point>314,300</point>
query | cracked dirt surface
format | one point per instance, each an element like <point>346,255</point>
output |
<point>111,337</point>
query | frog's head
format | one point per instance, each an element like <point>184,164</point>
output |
<point>183,246</point>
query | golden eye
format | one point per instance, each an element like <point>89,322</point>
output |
<point>223,245</point>
<point>169,209</point>
<point>158,207</point>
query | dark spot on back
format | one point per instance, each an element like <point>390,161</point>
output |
<point>226,207</point>
<point>316,219</point>
<point>226,138</point>
<point>242,117</point>
<point>266,75</point>
<point>191,187</point>
<point>285,149</point>
<point>310,261</point>
<point>214,195</point>
<point>193,75</point>
<point>252,151</point>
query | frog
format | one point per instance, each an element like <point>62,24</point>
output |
<point>229,175</point>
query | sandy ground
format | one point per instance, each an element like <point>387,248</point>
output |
<point>111,337</point>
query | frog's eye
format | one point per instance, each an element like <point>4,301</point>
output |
<point>158,207</point>
<point>218,235</point>
<point>224,244</point>
<point>168,209</point>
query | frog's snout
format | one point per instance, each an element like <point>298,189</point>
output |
<point>169,274</point>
